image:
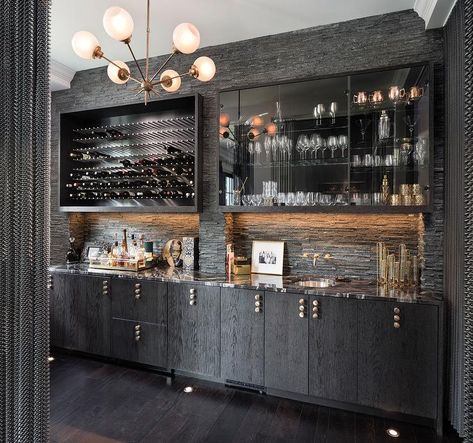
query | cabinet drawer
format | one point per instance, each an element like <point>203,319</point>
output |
<point>139,342</point>
<point>139,300</point>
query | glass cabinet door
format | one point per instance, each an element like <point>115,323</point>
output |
<point>390,138</point>
<point>345,141</point>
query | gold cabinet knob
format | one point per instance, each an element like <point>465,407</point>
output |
<point>397,325</point>
<point>138,285</point>
<point>257,297</point>
<point>137,291</point>
<point>301,315</point>
<point>257,304</point>
<point>315,315</point>
<point>397,310</point>
<point>192,302</point>
<point>301,308</point>
<point>258,309</point>
<point>397,318</point>
<point>315,309</point>
<point>137,338</point>
<point>315,303</point>
<point>301,301</point>
<point>105,282</point>
<point>137,296</point>
<point>137,327</point>
<point>105,292</point>
<point>192,291</point>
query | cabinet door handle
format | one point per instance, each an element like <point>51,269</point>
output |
<point>397,325</point>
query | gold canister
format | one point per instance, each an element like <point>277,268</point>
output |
<point>395,200</point>
<point>416,189</point>
<point>419,199</point>
<point>407,200</point>
<point>405,189</point>
<point>385,190</point>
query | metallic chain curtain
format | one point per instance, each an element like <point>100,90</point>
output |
<point>24,224</point>
<point>468,38</point>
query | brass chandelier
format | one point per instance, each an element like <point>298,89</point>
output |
<point>119,25</point>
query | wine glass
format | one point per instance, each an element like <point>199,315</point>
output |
<point>332,143</point>
<point>333,111</point>
<point>363,124</point>
<point>321,111</point>
<point>315,143</point>
<point>267,148</point>
<point>411,124</point>
<point>316,115</point>
<point>251,150</point>
<point>302,145</point>
<point>290,199</point>
<point>258,151</point>
<point>324,146</point>
<point>343,143</point>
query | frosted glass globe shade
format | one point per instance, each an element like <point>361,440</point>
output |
<point>186,38</point>
<point>169,75</point>
<point>206,69</point>
<point>84,44</point>
<point>116,75</point>
<point>118,23</point>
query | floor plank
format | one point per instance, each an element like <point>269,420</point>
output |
<point>97,402</point>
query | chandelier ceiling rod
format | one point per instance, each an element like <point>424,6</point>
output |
<point>119,25</point>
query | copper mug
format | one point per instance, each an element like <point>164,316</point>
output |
<point>361,98</point>
<point>396,94</point>
<point>376,97</point>
<point>415,92</point>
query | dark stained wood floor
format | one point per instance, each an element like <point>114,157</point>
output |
<point>96,402</point>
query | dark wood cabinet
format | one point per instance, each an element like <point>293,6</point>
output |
<point>58,300</point>
<point>86,312</point>
<point>286,341</point>
<point>194,328</point>
<point>139,323</point>
<point>142,300</point>
<point>333,340</point>
<point>398,357</point>
<point>139,342</point>
<point>242,336</point>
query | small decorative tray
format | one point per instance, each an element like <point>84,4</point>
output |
<point>121,264</point>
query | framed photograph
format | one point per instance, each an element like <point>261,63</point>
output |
<point>91,251</point>
<point>267,257</point>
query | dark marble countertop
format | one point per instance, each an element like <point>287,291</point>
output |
<point>358,289</point>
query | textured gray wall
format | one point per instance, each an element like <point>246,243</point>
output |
<point>373,42</point>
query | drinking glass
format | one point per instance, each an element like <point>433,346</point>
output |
<point>300,198</point>
<point>315,144</point>
<point>290,199</point>
<point>257,199</point>
<point>411,124</point>
<point>321,111</point>
<point>343,143</point>
<point>366,198</point>
<point>258,151</point>
<point>332,143</point>
<point>267,148</point>
<point>281,198</point>
<point>310,199</point>
<point>356,160</point>
<point>388,160</point>
<point>368,160</point>
<point>363,124</point>
<point>340,199</point>
<point>377,160</point>
<point>333,111</point>
<point>245,199</point>
<point>420,153</point>
<point>251,150</point>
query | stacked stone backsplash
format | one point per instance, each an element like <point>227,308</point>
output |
<point>369,43</point>
<point>100,228</point>
<point>349,238</point>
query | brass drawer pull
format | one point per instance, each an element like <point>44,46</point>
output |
<point>397,325</point>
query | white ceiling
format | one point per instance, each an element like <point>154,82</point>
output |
<point>218,21</point>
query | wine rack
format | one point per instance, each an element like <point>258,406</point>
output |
<point>132,158</point>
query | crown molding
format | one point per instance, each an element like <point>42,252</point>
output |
<point>434,12</point>
<point>60,76</point>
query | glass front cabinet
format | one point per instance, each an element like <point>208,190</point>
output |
<point>360,142</point>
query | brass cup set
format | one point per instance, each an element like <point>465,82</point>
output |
<point>409,195</point>
<point>395,94</point>
<point>398,272</point>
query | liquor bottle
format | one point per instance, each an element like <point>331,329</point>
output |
<point>133,247</point>
<point>115,253</point>
<point>124,244</point>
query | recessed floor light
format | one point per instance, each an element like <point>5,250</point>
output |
<point>50,359</point>
<point>188,389</point>
<point>394,433</point>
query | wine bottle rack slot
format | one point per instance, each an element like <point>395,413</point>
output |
<point>132,156</point>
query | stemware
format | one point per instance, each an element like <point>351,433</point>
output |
<point>316,115</point>
<point>281,198</point>
<point>267,148</point>
<point>332,143</point>
<point>300,198</point>
<point>258,151</point>
<point>343,143</point>
<point>315,144</point>
<point>321,111</point>
<point>257,200</point>
<point>310,199</point>
<point>246,199</point>
<point>304,144</point>
<point>421,151</point>
<point>333,111</point>
<point>411,124</point>
<point>251,151</point>
<point>363,124</point>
